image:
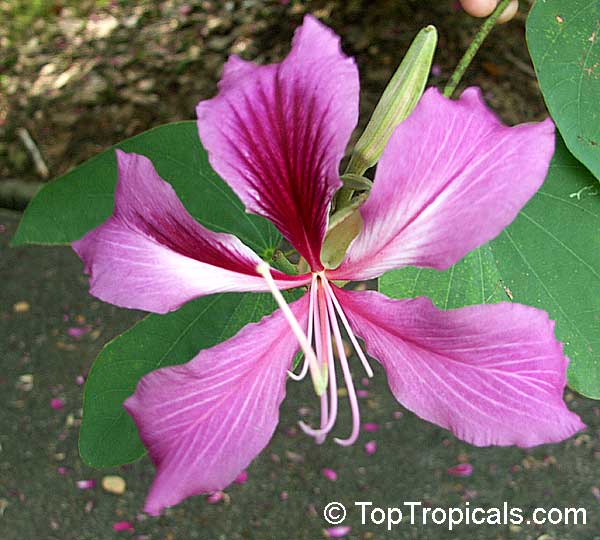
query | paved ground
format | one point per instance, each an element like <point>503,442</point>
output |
<point>44,294</point>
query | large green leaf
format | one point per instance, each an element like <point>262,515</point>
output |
<point>549,257</point>
<point>82,199</point>
<point>564,42</point>
<point>108,436</point>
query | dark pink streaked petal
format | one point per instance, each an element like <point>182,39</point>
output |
<point>152,255</point>
<point>451,178</point>
<point>492,374</point>
<point>277,133</point>
<point>203,422</point>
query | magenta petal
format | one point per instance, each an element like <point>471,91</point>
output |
<point>492,374</point>
<point>340,531</point>
<point>152,255</point>
<point>451,178</point>
<point>462,470</point>
<point>203,422</point>
<point>277,133</point>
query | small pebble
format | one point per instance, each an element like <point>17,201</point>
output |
<point>21,307</point>
<point>114,484</point>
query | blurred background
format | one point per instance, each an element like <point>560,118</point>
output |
<point>79,76</point>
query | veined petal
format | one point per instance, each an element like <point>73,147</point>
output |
<point>492,374</point>
<point>152,255</point>
<point>451,178</point>
<point>204,422</point>
<point>277,133</point>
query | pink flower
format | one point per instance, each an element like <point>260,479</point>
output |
<point>451,178</point>
<point>370,427</point>
<point>462,470</point>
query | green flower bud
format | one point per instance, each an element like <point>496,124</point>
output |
<point>397,102</point>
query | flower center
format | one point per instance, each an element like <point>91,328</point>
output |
<point>324,331</point>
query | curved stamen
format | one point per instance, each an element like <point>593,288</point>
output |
<point>347,375</point>
<point>319,382</point>
<point>313,293</point>
<point>351,335</point>
<point>327,418</point>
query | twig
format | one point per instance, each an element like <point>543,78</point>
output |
<point>479,38</point>
<point>34,152</point>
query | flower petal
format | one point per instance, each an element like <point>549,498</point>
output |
<point>277,133</point>
<point>152,255</point>
<point>451,178</point>
<point>203,422</point>
<point>492,374</point>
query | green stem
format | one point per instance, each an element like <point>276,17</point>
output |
<point>485,29</point>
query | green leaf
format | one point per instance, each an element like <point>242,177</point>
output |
<point>68,207</point>
<point>564,42</point>
<point>549,257</point>
<point>108,436</point>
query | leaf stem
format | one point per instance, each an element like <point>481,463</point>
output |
<point>467,58</point>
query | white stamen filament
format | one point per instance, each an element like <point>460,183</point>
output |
<point>351,335</point>
<point>339,344</point>
<point>313,294</point>
<point>323,310</point>
<point>328,416</point>
<point>320,385</point>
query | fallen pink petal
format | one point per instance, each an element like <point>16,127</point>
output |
<point>371,447</point>
<point>57,403</point>
<point>461,470</point>
<point>362,393</point>
<point>78,331</point>
<point>215,497</point>
<point>241,478</point>
<point>338,532</point>
<point>370,427</point>
<point>330,474</point>
<point>86,484</point>
<point>123,526</point>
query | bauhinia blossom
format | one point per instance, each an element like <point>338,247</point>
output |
<point>450,179</point>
